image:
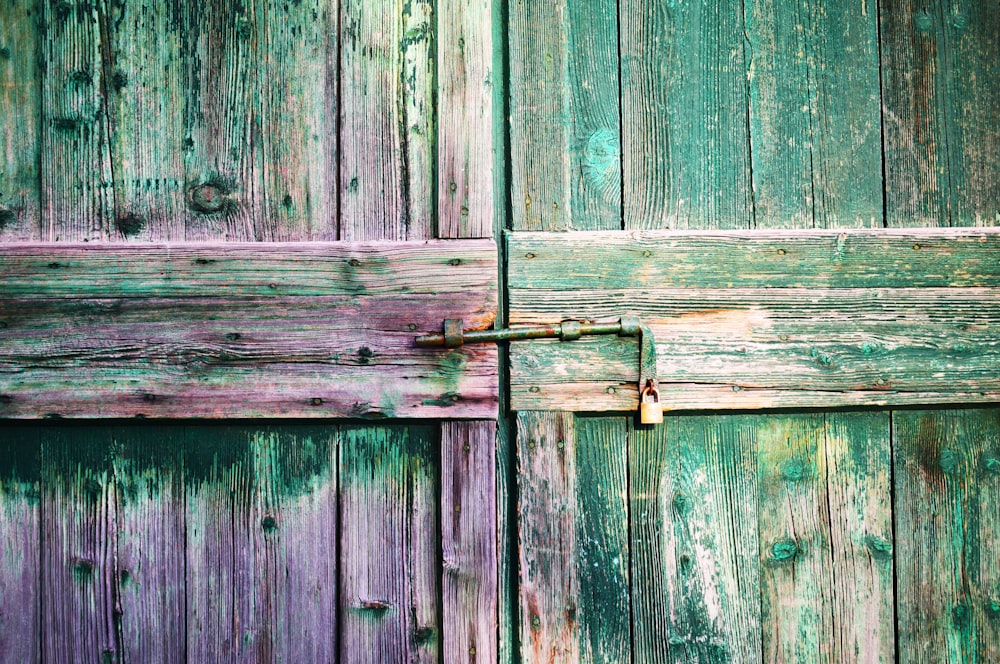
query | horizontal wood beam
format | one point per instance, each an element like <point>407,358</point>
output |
<point>245,330</point>
<point>747,320</point>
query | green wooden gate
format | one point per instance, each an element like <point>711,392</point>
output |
<point>855,533</point>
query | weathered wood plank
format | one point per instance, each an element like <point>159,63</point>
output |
<point>20,553</point>
<point>387,124</point>
<point>602,554</point>
<point>564,96</point>
<point>815,114</point>
<point>897,258</point>
<point>389,538</point>
<point>693,529</point>
<point>143,83</point>
<point>79,579</point>
<point>469,542</point>
<point>942,110</point>
<point>794,521</point>
<point>293,523</point>
<point>206,345</point>
<point>20,99</point>
<point>548,581</point>
<point>686,148</point>
<point>220,581</point>
<point>466,153</point>
<point>241,270</point>
<point>945,473</point>
<point>859,495</point>
<point>766,348</point>
<point>76,170</point>
<point>147,467</point>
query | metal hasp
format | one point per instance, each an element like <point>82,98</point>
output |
<point>453,335</point>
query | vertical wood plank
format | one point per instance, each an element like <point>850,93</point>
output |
<point>466,151</point>
<point>20,595</point>
<point>20,99</point>
<point>549,586</point>
<point>294,526</point>
<point>389,540</point>
<point>601,555</point>
<point>693,508</point>
<point>859,491</point>
<point>259,140</point>
<point>794,523</point>
<point>942,110</point>
<point>387,131</point>
<point>815,110</point>
<point>76,172</point>
<point>148,470</point>
<point>469,542</point>
<point>219,581</point>
<point>686,150</point>
<point>945,465</point>
<point>142,86</point>
<point>564,108</point>
<point>80,504</point>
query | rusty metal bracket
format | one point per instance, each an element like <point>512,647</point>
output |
<point>453,335</point>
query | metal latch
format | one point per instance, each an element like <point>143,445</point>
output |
<point>453,335</point>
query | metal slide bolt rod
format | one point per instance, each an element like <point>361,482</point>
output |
<point>453,336</point>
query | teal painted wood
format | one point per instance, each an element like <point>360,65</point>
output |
<point>602,555</point>
<point>564,108</point>
<point>693,530</point>
<point>389,544</point>
<point>76,170</point>
<point>939,61</point>
<point>815,114</point>
<point>946,485</point>
<point>20,99</point>
<point>686,148</point>
<point>20,518</point>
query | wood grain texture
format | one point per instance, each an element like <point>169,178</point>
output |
<point>549,586</point>
<point>564,96</point>
<point>815,114</point>
<point>76,171</point>
<point>804,320</point>
<point>389,539</point>
<point>219,579</point>
<point>20,555</point>
<point>81,507</point>
<point>293,525</point>
<point>794,522</point>
<point>387,124</point>
<point>897,258</point>
<point>21,102</point>
<point>201,344</point>
<point>684,97</point>
<point>602,554</point>
<point>469,542</point>
<point>467,155</point>
<point>859,491</point>
<point>946,479</point>
<point>147,468</point>
<point>693,531</point>
<point>942,110</point>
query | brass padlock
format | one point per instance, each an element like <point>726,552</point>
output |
<point>650,412</point>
